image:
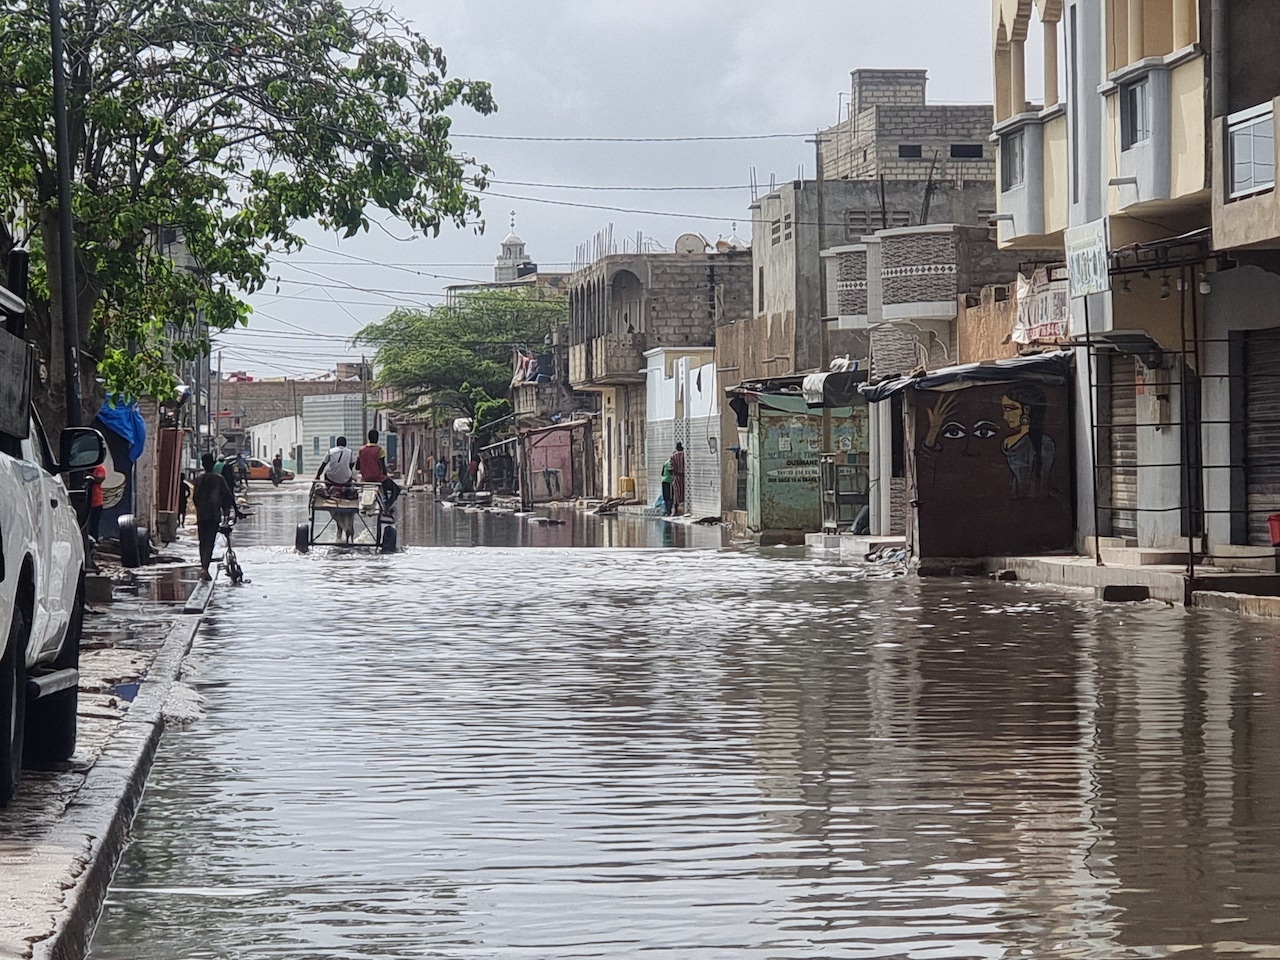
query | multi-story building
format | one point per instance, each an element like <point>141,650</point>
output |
<point>1153,154</point>
<point>625,304</point>
<point>896,162</point>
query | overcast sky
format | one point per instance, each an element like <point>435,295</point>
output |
<point>655,68</point>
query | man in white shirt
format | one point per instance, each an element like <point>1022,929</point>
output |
<point>338,466</point>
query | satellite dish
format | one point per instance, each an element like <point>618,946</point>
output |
<point>690,243</point>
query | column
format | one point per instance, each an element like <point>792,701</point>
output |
<point>1018,78</point>
<point>1050,63</point>
<point>1137,30</point>
<point>1004,107</point>
<point>1184,23</point>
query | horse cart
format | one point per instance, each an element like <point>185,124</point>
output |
<point>351,516</point>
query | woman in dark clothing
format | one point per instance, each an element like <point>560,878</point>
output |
<point>214,501</point>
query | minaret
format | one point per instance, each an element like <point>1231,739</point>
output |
<point>512,263</point>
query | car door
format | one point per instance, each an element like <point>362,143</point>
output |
<point>61,551</point>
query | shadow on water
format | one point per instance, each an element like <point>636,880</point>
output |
<point>424,523</point>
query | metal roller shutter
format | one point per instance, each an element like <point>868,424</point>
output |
<point>1262,431</point>
<point>1123,422</point>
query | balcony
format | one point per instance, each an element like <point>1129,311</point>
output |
<point>611,360</point>
<point>1246,210</point>
<point>1032,200</point>
<point>1155,114</point>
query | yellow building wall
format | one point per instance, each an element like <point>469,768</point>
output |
<point>1187,106</point>
<point>1057,175</point>
<point>1114,199</point>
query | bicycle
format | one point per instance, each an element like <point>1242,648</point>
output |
<point>229,563</point>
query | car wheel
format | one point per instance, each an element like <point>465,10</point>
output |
<point>389,539</point>
<point>128,526</point>
<point>13,692</point>
<point>51,720</point>
<point>302,538</point>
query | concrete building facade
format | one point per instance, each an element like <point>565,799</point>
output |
<point>324,419</point>
<point>1159,137</point>
<point>682,406</point>
<point>625,304</point>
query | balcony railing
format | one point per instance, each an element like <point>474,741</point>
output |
<point>612,359</point>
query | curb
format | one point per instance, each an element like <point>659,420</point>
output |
<point>117,781</point>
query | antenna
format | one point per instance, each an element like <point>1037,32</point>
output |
<point>513,221</point>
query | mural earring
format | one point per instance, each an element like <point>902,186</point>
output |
<point>1025,420</point>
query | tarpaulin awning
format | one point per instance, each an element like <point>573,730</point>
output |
<point>1053,367</point>
<point>833,389</point>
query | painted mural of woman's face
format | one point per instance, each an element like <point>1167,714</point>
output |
<point>1014,413</point>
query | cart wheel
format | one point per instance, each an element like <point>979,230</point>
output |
<point>128,527</point>
<point>389,539</point>
<point>302,538</point>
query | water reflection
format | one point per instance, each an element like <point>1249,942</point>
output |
<point>423,523</point>
<point>568,753</point>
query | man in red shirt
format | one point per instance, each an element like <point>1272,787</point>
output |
<point>94,481</point>
<point>371,461</point>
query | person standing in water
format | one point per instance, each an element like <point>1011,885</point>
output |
<point>677,480</point>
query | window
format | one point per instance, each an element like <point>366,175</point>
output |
<point>776,232</point>
<point>315,445</point>
<point>910,151</point>
<point>1251,142</point>
<point>1013,169</point>
<point>966,151</point>
<point>984,216</point>
<point>760,290</point>
<point>900,218</point>
<point>786,225</point>
<point>1135,114</point>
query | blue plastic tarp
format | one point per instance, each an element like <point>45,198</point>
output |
<point>125,420</point>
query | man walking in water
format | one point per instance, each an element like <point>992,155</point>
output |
<point>677,480</point>
<point>214,501</point>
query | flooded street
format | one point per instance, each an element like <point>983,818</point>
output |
<point>516,740</point>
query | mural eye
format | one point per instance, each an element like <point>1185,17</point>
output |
<point>953,431</point>
<point>985,430</point>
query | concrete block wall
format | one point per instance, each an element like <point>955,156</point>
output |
<point>259,401</point>
<point>851,283</point>
<point>919,267</point>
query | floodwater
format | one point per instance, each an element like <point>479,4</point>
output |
<point>543,752</point>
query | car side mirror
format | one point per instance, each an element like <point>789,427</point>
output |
<point>80,448</point>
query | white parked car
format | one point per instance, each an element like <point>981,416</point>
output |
<point>41,590</point>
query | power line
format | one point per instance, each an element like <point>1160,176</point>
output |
<point>697,139</point>
<point>601,206</point>
<point>592,186</point>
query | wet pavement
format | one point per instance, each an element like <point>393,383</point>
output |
<point>529,750</point>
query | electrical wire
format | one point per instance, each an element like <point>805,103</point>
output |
<point>592,186</point>
<point>694,139</point>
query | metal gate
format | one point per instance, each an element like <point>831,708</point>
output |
<point>1262,431</point>
<point>1121,406</point>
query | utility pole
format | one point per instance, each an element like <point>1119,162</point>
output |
<point>66,225</point>
<point>364,399</point>
<point>825,339</point>
<point>217,413</point>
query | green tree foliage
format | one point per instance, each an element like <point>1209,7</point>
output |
<point>227,122</point>
<point>458,357</point>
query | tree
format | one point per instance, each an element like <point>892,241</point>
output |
<point>225,123</point>
<point>458,356</point>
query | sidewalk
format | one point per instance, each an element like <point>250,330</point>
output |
<point>62,836</point>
